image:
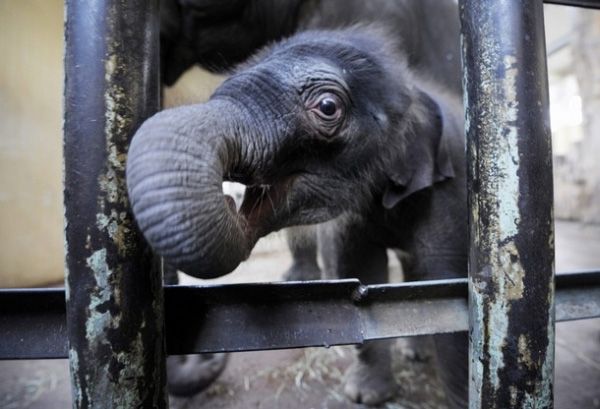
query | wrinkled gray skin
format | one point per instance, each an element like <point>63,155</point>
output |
<point>219,34</point>
<point>327,126</point>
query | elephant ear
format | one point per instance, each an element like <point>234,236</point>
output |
<point>426,159</point>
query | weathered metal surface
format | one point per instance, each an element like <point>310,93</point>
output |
<point>511,291</point>
<point>281,315</point>
<point>418,308</point>
<point>33,324</point>
<point>577,295</point>
<point>114,294</point>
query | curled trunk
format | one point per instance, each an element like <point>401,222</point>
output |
<point>176,166</point>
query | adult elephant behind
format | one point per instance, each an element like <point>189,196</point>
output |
<point>218,34</point>
<point>327,126</point>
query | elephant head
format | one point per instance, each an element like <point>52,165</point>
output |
<point>322,123</point>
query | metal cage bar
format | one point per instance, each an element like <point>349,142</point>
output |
<point>114,309</point>
<point>511,259</point>
<point>230,317</point>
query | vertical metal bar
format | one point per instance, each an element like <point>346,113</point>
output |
<point>511,261</point>
<point>114,292</point>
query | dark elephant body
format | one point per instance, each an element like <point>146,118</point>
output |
<point>428,223</point>
<point>221,34</point>
<point>430,228</point>
<point>326,126</point>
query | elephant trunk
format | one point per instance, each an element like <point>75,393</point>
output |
<point>175,169</point>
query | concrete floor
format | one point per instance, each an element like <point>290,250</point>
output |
<point>311,378</point>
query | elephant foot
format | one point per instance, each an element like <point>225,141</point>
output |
<point>369,380</point>
<point>189,374</point>
<point>302,272</point>
<point>368,384</point>
<point>416,349</point>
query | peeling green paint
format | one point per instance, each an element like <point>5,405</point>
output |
<point>76,386</point>
<point>117,225</point>
<point>476,344</point>
<point>511,354</point>
<point>507,276</point>
<point>98,321</point>
<point>132,371</point>
<point>524,352</point>
<point>507,154</point>
<point>117,348</point>
<point>503,267</point>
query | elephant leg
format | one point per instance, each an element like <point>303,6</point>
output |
<point>418,348</point>
<point>302,242</point>
<point>453,367</point>
<point>451,350</point>
<point>189,374</point>
<point>369,380</point>
<point>346,254</point>
<point>170,276</point>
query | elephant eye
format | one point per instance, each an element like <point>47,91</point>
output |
<point>328,106</point>
<point>327,113</point>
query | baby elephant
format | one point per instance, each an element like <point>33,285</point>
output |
<point>326,126</point>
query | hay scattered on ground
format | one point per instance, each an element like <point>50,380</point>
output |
<point>316,366</point>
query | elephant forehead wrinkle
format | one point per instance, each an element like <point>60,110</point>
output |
<point>304,65</point>
<point>259,92</point>
<point>317,68</point>
<point>293,70</point>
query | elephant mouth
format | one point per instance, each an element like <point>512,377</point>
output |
<point>263,206</point>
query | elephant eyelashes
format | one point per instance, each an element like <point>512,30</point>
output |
<point>328,113</point>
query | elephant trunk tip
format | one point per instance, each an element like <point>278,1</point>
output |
<point>175,171</point>
<point>214,245</point>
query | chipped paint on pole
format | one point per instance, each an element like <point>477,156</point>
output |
<point>115,301</point>
<point>511,269</point>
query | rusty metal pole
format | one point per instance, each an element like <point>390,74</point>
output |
<point>511,262</point>
<point>114,292</point>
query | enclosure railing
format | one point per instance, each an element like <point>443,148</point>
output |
<point>112,325</point>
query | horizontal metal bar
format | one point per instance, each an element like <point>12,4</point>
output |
<point>592,4</point>
<point>241,317</point>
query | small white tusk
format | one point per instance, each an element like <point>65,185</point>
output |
<point>236,191</point>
